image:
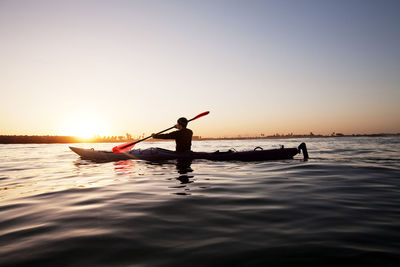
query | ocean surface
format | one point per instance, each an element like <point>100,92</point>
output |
<point>341,207</point>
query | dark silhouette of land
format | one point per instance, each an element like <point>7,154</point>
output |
<point>50,139</point>
<point>37,139</point>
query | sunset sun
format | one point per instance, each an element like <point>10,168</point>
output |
<point>83,130</point>
<point>82,126</point>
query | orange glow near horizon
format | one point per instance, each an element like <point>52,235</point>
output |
<point>82,126</point>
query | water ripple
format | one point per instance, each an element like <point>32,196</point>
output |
<point>339,208</point>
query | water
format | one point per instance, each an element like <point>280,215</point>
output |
<point>340,207</point>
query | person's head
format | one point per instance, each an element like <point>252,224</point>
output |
<point>182,123</point>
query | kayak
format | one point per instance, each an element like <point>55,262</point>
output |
<point>160,154</point>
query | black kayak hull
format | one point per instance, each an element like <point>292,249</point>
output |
<point>159,154</point>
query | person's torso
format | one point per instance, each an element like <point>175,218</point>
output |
<point>183,140</point>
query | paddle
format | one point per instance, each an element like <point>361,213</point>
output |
<point>124,147</point>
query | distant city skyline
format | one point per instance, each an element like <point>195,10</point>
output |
<point>108,68</point>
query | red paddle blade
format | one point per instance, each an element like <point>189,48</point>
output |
<point>200,115</point>
<point>122,148</point>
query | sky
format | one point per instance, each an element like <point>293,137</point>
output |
<point>260,67</point>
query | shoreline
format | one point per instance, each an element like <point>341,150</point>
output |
<point>48,139</point>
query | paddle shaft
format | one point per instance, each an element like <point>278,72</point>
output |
<point>138,141</point>
<point>134,143</point>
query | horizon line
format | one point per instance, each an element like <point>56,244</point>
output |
<point>43,139</point>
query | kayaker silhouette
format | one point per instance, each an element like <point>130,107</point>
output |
<point>182,137</point>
